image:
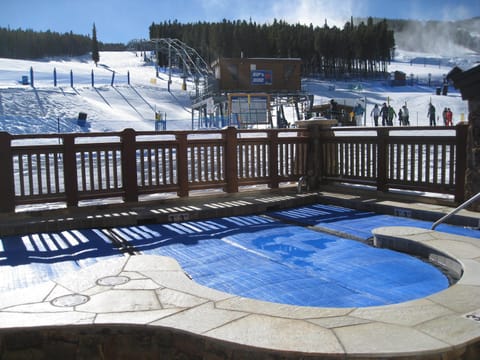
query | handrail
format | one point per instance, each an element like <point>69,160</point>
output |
<point>454,211</point>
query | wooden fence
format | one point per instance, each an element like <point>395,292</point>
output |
<point>421,159</point>
<point>71,168</point>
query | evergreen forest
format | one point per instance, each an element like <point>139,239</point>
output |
<point>29,44</point>
<point>356,50</point>
<point>362,48</point>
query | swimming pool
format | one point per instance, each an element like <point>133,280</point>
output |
<point>274,257</point>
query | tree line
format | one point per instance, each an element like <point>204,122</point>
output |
<point>356,50</point>
<point>361,49</point>
<point>29,44</point>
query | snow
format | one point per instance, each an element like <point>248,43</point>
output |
<point>417,96</point>
<point>45,108</point>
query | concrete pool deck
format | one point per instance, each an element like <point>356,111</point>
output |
<point>146,306</point>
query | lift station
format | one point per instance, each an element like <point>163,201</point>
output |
<point>240,92</point>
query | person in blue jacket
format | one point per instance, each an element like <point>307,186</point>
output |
<point>358,114</point>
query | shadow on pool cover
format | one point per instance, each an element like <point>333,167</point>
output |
<point>274,257</point>
<point>28,260</point>
<point>266,259</point>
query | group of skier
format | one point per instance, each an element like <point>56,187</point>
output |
<point>388,114</point>
<point>447,116</point>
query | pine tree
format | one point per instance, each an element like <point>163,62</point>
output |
<point>356,50</point>
<point>95,53</point>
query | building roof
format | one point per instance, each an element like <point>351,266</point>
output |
<point>468,82</point>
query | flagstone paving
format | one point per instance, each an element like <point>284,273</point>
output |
<point>146,306</point>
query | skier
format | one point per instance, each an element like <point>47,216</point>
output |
<point>431,115</point>
<point>391,115</point>
<point>406,115</point>
<point>375,113</point>
<point>333,109</point>
<point>358,114</point>
<point>449,115</point>
<point>384,113</point>
<point>444,116</point>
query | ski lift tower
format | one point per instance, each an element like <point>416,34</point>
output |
<point>193,63</point>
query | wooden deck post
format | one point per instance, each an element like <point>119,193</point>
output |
<point>129,165</point>
<point>382,160</point>
<point>314,158</point>
<point>7,186</point>
<point>182,165</point>
<point>70,170</point>
<point>273,159</point>
<point>230,158</point>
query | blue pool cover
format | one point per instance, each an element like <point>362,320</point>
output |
<point>358,224</point>
<point>31,259</point>
<point>273,257</point>
<point>262,258</point>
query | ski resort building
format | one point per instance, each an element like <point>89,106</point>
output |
<point>250,92</point>
<point>258,74</point>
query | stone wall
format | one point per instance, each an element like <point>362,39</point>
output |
<point>472,176</point>
<point>122,342</point>
<point>468,82</point>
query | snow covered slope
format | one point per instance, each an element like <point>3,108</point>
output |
<point>48,109</point>
<point>24,109</point>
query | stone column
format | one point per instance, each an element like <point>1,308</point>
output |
<point>472,175</point>
<point>468,82</point>
<point>318,129</point>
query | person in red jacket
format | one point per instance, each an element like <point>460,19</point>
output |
<point>449,117</point>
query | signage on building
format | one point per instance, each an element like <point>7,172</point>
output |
<point>261,77</point>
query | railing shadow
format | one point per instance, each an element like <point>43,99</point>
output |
<point>50,248</point>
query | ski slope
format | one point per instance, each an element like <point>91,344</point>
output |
<point>46,108</point>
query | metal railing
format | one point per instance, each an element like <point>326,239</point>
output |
<point>456,210</point>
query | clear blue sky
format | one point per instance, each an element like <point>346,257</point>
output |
<point>123,20</point>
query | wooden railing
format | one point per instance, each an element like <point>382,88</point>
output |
<point>70,168</point>
<point>422,158</point>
